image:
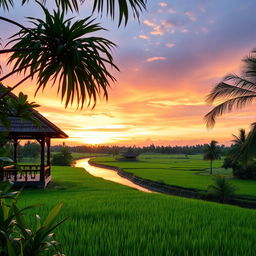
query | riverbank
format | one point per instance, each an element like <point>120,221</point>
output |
<point>107,175</point>
<point>241,201</point>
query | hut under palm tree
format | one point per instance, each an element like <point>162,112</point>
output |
<point>40,129</point>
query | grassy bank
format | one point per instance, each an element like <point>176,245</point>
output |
<point>109,219</point>
<point>178,170</point>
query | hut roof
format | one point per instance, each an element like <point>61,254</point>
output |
<point>25,129</point>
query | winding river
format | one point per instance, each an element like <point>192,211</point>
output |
<point>107,174</point>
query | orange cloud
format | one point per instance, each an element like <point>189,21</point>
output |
<point>155,59</point>
<point>169,45</point>
<point>144,37</point>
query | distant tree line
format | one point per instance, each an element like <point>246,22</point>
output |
<point>28,150</point>
<point>32,149</point>
<point>114,150</point>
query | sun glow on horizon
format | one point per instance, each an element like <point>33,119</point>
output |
<point>94,140</point>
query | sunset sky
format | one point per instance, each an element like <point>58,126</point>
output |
<point>169,62</point>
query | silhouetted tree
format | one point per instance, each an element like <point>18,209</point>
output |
<point>212,152</point>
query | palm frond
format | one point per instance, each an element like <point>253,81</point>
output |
<point>72,5</point>
<point>123,7</point>
<point>240,139</point>
<point>113,8</point>
<point>6,4</point>
<point>227,106</point>
<point>67,56</point>
<point>234,91</point>
<point>249,147</point>
<point>224,90</point>
<point>249,69</point>
<point>241,81</point>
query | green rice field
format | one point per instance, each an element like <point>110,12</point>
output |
<point>106,218</point>
<point>179,170</point>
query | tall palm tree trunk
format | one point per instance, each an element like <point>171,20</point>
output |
<point>211,167</point>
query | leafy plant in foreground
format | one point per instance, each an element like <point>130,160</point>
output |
<point>16,237</point>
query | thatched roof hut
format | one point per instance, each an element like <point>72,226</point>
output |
<point>42,131</point>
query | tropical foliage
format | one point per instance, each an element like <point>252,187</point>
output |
<point>221,189</point>
<point>16,236</point>
<point>65,55</point>
<point>212,152</point>
<point>64,158</point>
<point>235,92</point>
<point>235,153</point>
<point>109,7</point>
<point>239,158</point>
<point>16,107</point>
<point>62,51</point>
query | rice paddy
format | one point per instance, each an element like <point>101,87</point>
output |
<point>106,218</point>
<point>179,170</point>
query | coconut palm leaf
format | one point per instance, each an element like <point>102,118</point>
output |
<point>66,55</point>
<point>249,147</point>
<point>6,4</point>
<point>250,66</point>
<point>123,7</point>
<point>240,139</point>
<point>113,8</point>
<point>224,90</point>
<point>233,91</point>
<point>227,106</point>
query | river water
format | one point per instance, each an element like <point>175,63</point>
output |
<point>106,174</point>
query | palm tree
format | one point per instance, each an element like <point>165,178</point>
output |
<point>234,155</point>
<point>64,52</point>
<point>212,152</point>
<point>222,189</point>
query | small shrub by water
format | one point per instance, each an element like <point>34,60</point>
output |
<point>221,190</point>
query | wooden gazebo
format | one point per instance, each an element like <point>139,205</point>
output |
<point>31,175</point>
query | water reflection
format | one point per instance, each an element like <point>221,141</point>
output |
<point>106,174</point>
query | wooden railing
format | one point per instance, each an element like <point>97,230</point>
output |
<point>23,172</point>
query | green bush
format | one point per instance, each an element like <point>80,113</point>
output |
<point>221,190</point>
<point>245,172</point>
<point>64,158</point>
